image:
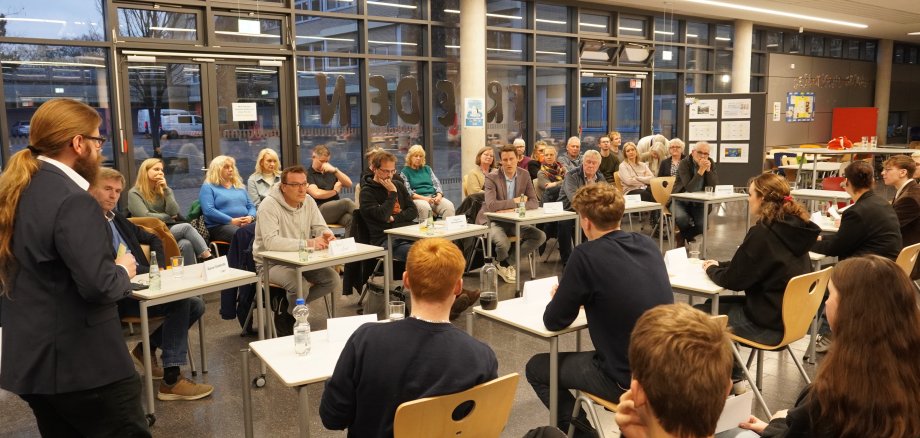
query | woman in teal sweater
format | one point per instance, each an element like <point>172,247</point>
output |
<point>424,186</point>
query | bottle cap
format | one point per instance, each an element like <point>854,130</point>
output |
<point>299,302</point>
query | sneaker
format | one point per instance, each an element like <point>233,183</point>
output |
<point>137,354</point>
<point>739,387</point>
<point>505,273</point>
<point>184,389</point>
<point>472,294</point>
<point>461,303</point>
<point>823,344</point>
<point>513,272</point>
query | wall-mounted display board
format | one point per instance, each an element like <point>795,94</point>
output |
<point>800,106</point>
<point>733,125</point>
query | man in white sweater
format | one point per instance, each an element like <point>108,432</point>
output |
<point>286,217</point>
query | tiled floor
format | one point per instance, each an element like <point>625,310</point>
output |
<point>275,406</point>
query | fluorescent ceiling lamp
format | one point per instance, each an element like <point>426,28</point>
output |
<point>172,29</point>
<point>146,67</point>
<point>347,40</point>
<point>510,17</point>
<point>451,47</point>
<point>52,64</point>
<point>33,20</point>
<point>723,39</point>
<point>661,32</point>
<point>543,20</point>
<point>258,35</point>
<point>452,11</point>
<point>543,52</point>
<point>503,50</point>
<point>914,33</point>
<point>599,26</point>
<point>780,13</point>
<point>773,45</point>
<point>692,35</point>
<point>392,5</point>
<point>255,70</point>
<point>395,43</point>
<point>304,72</point>
<point>630,29</point>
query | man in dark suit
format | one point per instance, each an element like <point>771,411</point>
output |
<point>172,335</point>
<point>693,174</point>
<point>898,173</point>
<point>63,350</point>
<point>503,191</point>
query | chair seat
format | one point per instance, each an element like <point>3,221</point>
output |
<point>756,345</point>
<point>608,405</point>
<point>137,319</point>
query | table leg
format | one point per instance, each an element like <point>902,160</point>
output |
<point>517,259</point>
<point>577,230</point>
<point>578,340</point>
<point>661,229</point>
<point>304,407</point>
<point>553,380</point>
<point>706,205</point>
<point>148,375</point>
<point>202,345</point>
<point>715,305</point>
<point>247,393</point>
<point>263,296</point>
<point>299,286</point>
<point>814,173</point>
<point>469,323</point>
<point>810,353</point>
<point>387,276</point>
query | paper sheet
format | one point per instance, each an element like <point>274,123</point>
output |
<point>538,291</point>
<point>737,410</point>
<point>340,329</point>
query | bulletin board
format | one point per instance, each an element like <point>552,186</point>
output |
<point>734,125</point>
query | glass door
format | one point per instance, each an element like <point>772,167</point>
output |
<point>594,110</point>
<point>628,108</point>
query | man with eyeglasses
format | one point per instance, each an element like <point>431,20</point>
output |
<point>287,216</point>
<point>693,174</point>
<point>385,203</point>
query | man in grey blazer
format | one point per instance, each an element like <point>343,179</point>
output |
<point>503,191</point>
<point>63,350</point>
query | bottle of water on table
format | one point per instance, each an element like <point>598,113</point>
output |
<point>301,328</point>
<point>154,273</point>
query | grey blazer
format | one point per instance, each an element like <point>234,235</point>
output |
<point>496,193</point>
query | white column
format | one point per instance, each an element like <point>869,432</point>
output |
<point>741,56</point>
<point>884,58</point>
<point>472,76</point>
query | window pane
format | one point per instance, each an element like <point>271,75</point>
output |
<point>868,53</point>
<point>394,8</point>
<point>628,108</point>
<point>696,83</point>
<point>724,35</point>
<point>666,88</point>
<point>343,6</point>
<point>816,46</point>
<point>667,30</point>
<point>144,23</point>
<point>398,132</point>
<point>758,63</point>
<point>447,11</point>
<point>794,43</point>
<point>445,147</point>
<point>445,42</point>
<point>320,34</point>
<point>506,13</point>
<point>697,59</point>
<point>852,49</point>
<point>756,38</point>
<point>553,49</point>
<point>34,74</point>
<point>594,23</point>
<point>249,30</point>
<point>757,84</point>
<point>552,116</point>
<point>505,45</point>
<point>835,47</point>
<point>552,18</point>
<point>697,33</point>
<point>594,112</point>
<point>723,83</point>
<point>633,27</point>
<point>774,41</point>
<point>394,39</point>
<point>666,57</point>
<point>723,60</point>
<point>61,20</point>
<point>340,131</point>
<point>510,122</point>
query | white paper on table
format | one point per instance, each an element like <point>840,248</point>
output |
<point>340,329</point>
<point>539,291</point>
<point>737,410</point>
<point>338,247</point>
<point>633,198</point>
<point>216,268</point>
<point>725,189</point>
<point>817,217</point>
<point>552,207</point>
<point>455,223</point>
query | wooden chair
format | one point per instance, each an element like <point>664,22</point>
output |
<point>157,227</point>
<point>617,182</point>
<point>908,258</point>
<point>661,191</point>
<point>463,186</point>
<point>800,304</point>
<point>591,402</point>
<point>433,416</point>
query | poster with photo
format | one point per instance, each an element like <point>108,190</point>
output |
<point>734,152</point>
<point>736,109</point>
<point>474,115</point>
<point>704,109</point>
<point>800,106</point>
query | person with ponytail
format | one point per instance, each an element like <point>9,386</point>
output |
<point>774,250</point>
<point>63,350</point>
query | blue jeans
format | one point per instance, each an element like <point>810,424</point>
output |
<point>172,335</point>
<point>689,218</point>
<point>191,244</point>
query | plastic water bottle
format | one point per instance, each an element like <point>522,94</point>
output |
<point>429,223</point>
<point>302,252</point>
<point>154,272</point>
<point>301,328</point>
<point>488,285</point>
<point>522,206</point>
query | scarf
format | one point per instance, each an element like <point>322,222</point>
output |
<point>555,172</point>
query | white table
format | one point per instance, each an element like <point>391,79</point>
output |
<point>174,289</point>
<point>412,232</point>
<point>710,199</point>
<point>528,318</point>
<point>294,371</point>
<point>694,282</point>
<point>641,206</point>
<point>820,195</point>
<point>322,259</point>
<point>532,217</point>
<point>826,151</point>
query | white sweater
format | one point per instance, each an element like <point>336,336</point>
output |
<point>280,227</point>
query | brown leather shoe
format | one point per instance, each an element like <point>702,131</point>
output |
<point>473,294</point>
<point>461,303</point>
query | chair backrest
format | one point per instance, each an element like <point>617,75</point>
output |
<point>463,185</point>
<point>908,258</point>
<point>357,194</point>
<point>661,190</point>
<point>432,416</point>
<point>537,190</point>
<point>800,303</point>
<point>155,226</point>
<point>789,161</point>
<point>832,183</point>
<point>617,182</point>
<point>778,161</point>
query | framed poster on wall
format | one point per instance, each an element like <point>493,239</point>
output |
<point>800,106</point>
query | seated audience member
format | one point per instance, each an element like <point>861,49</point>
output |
<point>644,145</point>
<point>485,163</point>
<point>572,156</point>
<point>774,250</point>
<point>287,216</point>
<point>693,174</point>
<point>325,182</point>
<point>635,175</point>
<point>385,203</point>
<point>898,173</point>
<point>916,157</point>
<point>868,383</point>
<point>669,165</point>
<point>612,303</point>
<point>616,140</point>
<point>424,186</point>
<point>536,160</point>
<point>549,179</point>
<point>224,203</point>
<point>610,162</point>
<point>681,367</point>
<point>584,174</point>
<point>520,148</point>
<point>385,365</point>
<point>656,154</point>
<point>152,197</point>
<point>172,336</point>
<point>267,174</point>
<point>504,189</point>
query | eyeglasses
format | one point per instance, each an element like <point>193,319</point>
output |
<point>387,171</point>
<point>100,140</point>
<point>298,185</point>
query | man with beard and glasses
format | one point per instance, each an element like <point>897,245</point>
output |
<point>63,351</point>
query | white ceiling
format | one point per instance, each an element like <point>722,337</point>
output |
<point>887,19</point>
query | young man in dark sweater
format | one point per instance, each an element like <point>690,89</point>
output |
<point>613,302</point>
<point>385,203</point>
<point>385,365</point>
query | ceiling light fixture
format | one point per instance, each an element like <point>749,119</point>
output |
<point>395,43</point>
<point>780,13</point>
<point>544,20</point>
<point>172,29</point>
<point>347,40</point>
<point>599,26</point>
<point>913,33</point>
<point>392,5</point>
<point>510,17</point>
<point>630,29</point>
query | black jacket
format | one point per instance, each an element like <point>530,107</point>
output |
<point>767,259</point>
<point>907,208</point>
<point>377,207</point>
<point>688,180</point>
<point>869,226</point>
<point>665,168</point>
<point>134,237</point>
